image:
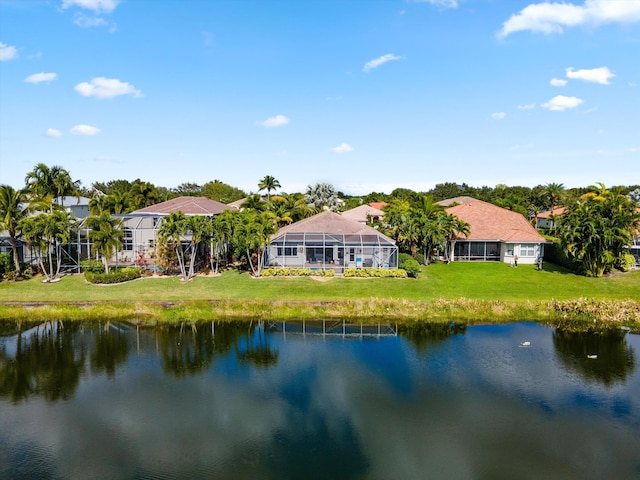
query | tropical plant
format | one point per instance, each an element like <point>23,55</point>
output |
<point>252,235</point>
<point>269,184</point>
<point>595,231</point>
<point>13,208</point>
<point>54,181</point>
<point>106,236</point>
<point>322,196</point>
<point>171,233</point>
<point>46,233</point>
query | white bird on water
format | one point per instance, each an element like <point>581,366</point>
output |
<point>525,344</point>
<point>592,356</point>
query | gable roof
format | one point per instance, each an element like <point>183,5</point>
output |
<point>360,214</point>
<point>489,222</point>
<point>378,205</point>
<point>329,222</point>
<point>186,205</point>
<point>456,200</point>
<point>548,213</point>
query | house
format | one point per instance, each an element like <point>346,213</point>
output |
<point>329,240</point>
<point>364,214</point>
<point>547,220</point>
<point>496,234</point>
<point>77,206</point>
<point>141,226</point>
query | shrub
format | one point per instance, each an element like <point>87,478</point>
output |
<point>553,253</point>
<point>92,266</point>
<point>296,272</point>
<point>625,262</point>
<point>5,263</point>
<point>374,273</point>
<point>409,265</point>
<point>117,275</point>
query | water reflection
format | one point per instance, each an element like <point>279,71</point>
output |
<point>425,335</point>
<point>239,400</point>
<point>47,362</point>
<point>601,357</point>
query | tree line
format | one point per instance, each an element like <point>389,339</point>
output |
<point>597,227</point>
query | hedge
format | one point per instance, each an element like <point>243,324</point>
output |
<point>375,273</point>
<point>114,276</point>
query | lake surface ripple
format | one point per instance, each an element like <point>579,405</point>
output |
<point>317,401</point>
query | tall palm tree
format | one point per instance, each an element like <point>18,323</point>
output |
<point>252,234</point>
<point>46,233</point>
<point>268,183</point>
<point>44,181</point>
<point>12,210</point>
<point>555,194</point>
<point>322,196</point>
<point>173,228</point>
<point>106,236</point>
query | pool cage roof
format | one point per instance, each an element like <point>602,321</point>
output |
<point>339,239</point>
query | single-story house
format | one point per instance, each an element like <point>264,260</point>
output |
<point>547,220</point>
<point>329,240</point>
<point>496,234</point>
<point>364,214</point>
<point>141,226</point>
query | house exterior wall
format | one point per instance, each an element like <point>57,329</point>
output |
<point>528,253</point>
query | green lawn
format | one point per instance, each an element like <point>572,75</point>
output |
<point>482,281</point>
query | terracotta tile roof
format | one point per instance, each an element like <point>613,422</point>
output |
<point>378,205</point>
<point>329,222</point>
<point>359,214</point>
<point>548,213</point>
<point>490,222</point>
<point>186,205</point>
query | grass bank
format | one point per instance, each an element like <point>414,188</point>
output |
<point>466,292</point>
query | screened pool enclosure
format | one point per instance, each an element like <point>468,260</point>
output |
<point>331,251</point>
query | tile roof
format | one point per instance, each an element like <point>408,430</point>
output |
<point>329,222</point>
<point>186,205</point>
<point>359,214</point>
<point>378,205</point>
<point>456,200</point>
<point>490,222</point>
<point>548,213</point>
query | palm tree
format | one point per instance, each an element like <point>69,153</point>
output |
<point>322,196</point>
<point>12,210</point>
<point>254,202</point>
<point>171,232</point>
<point>268,183</point>
<point>106,236</point>
<point>555,193</point>
<point>454,229</point>
<point>197,225</point>
<point>44,181</point>
<point>252,234</point>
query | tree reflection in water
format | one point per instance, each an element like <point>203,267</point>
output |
<point>256,351</point>
<point>601,357</point>
<point>47,362</point>
<point>110,350</point>
<point>189,348</point>
<point>423,335</point>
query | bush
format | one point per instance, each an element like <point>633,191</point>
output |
<point>409,265</point>
<point>296,272</point>
<point>5,263</point>
<point>92,266</point>
<point>375,273</point>
<point>118,275</point>
<point>554,254</point>
<point>625,262</point>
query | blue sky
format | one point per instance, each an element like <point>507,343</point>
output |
<point>366,95</point>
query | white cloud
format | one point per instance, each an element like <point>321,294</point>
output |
<point>52,132</point>
<point>343,148</point>
<point>7,52</point>
<point>557,82</point>
<point>598,75</point>
<point>41,77</point>
<point>549,18</point>
<point>560,103</point>
<point>376,62</point>
<point>528,106</point>
<point>106,6</point>
<point>85,130</point>
<point>102,87</point>
<point>276,121</point>
<point>498,115</point>
<point>89,22</point>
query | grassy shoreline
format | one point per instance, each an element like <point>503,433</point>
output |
<point>465,293</point>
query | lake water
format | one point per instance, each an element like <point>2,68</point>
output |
<point>285,401</point>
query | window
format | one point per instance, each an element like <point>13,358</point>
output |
<point>510,249</point>
<point>127,244</point>
<point>288,251</point>
<point>527,250</point>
